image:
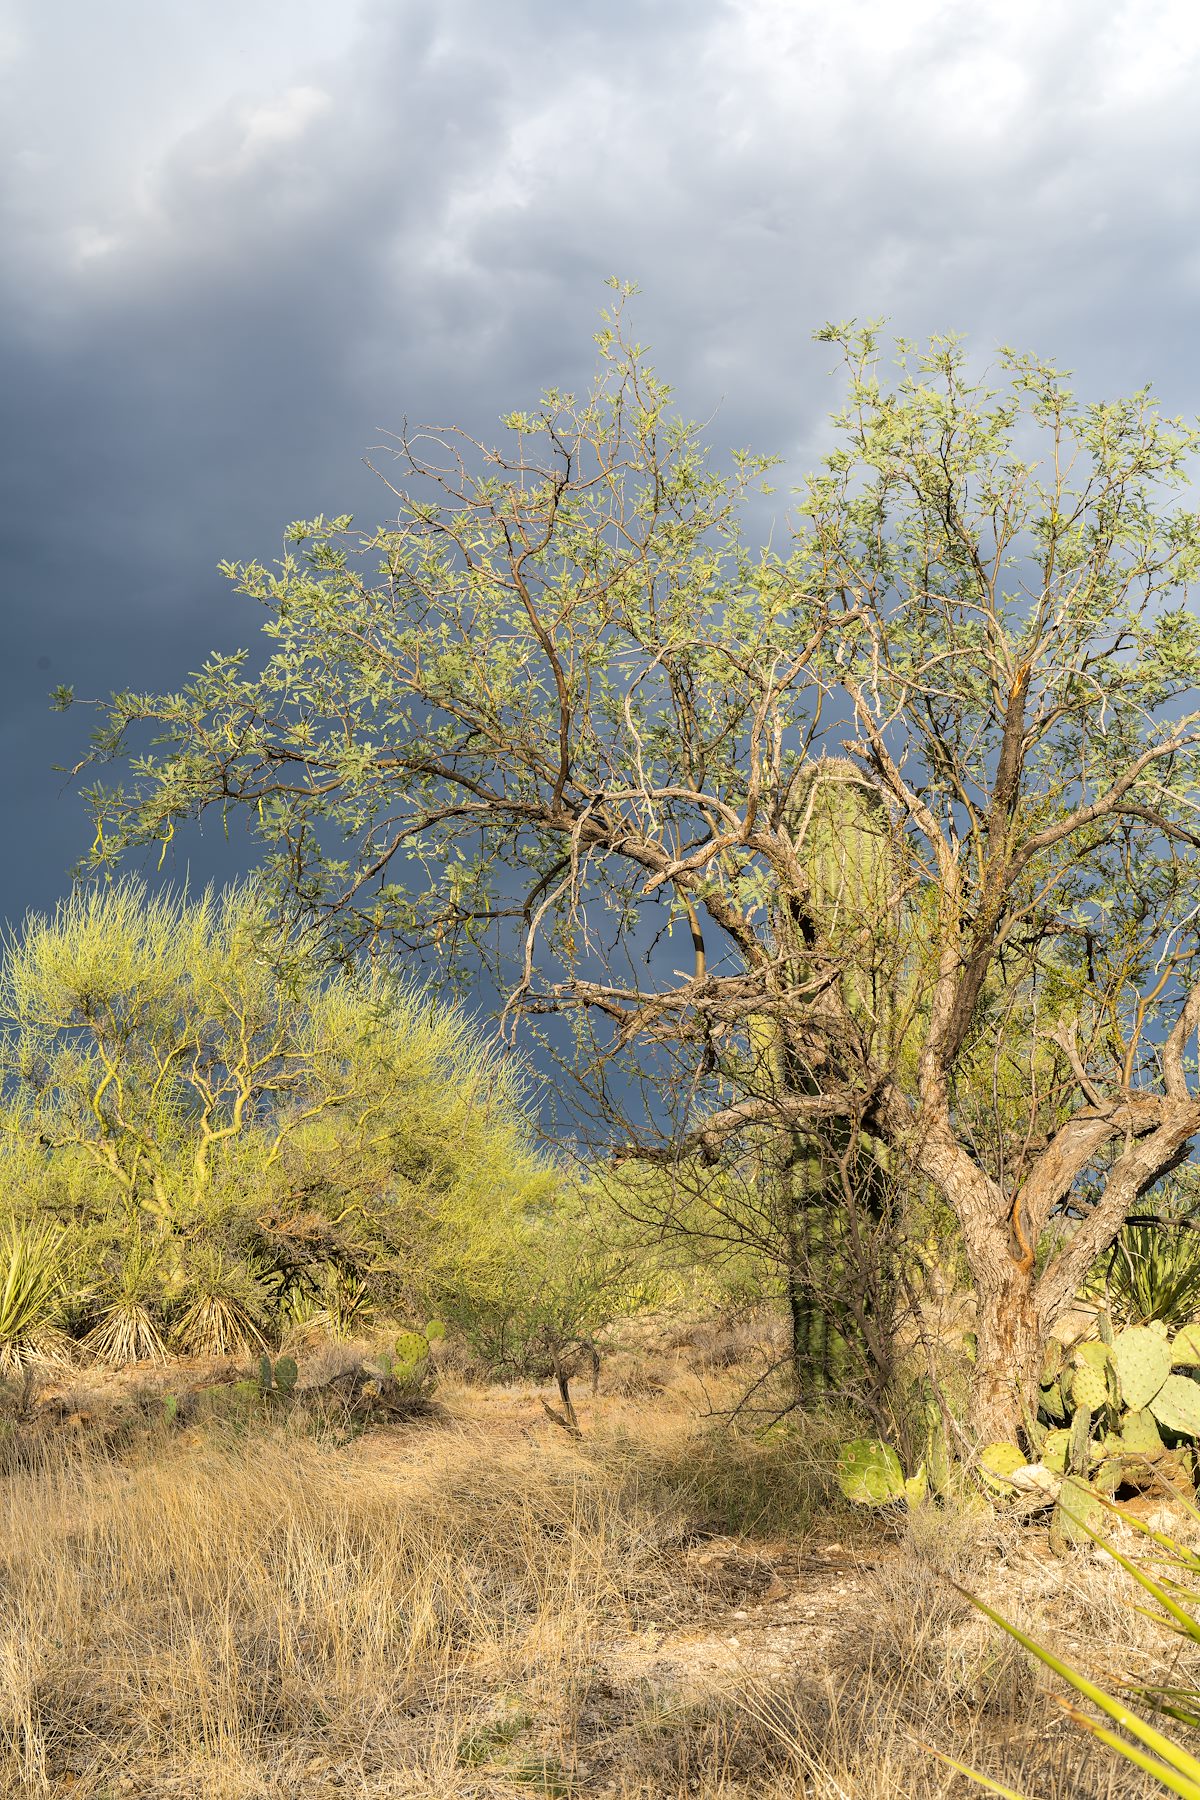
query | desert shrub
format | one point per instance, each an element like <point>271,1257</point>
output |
<point>232,1143</point>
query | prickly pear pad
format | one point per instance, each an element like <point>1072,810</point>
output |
<point>997,1462</point>
<point>1176,1405</point>
<point>1185,1350</point>
<point>1143,1362</point>
<point>869,1472</point>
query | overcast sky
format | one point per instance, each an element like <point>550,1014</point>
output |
<point>241,236</point>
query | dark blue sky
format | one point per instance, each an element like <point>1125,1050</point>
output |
<point>242,238</point>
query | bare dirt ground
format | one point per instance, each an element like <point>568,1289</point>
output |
<point>475,1606</point>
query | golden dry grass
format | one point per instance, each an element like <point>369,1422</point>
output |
<point>481,1608</point>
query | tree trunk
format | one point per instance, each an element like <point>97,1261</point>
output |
<point>1010,1347</point>
<point>1010,1326</point>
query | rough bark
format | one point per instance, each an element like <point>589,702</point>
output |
<point>1010,1335</point>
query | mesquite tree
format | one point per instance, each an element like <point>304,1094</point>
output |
<point>561,716</point>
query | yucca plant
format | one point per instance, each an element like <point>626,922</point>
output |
<point>347,1309</point>
<point>128,1329</point>
<point>224,1310</point>
<point>1172,1590</point>
<point>31,1296</point>
<point>1151,1272</point>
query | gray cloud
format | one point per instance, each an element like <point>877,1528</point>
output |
<point>240,240</point>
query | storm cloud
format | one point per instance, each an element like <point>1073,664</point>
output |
<point>241,240</point>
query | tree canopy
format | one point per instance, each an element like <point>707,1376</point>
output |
<point>917,790</point>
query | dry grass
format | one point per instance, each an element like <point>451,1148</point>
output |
<point>484,1608</point>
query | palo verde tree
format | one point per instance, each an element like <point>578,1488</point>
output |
<point>561,704</point>
<point>204,1112</point>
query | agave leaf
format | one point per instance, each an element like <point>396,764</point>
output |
<point>31,1289</point>
<point>127,1332</point>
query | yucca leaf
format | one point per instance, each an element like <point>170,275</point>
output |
<point>983,1781</point>
<point>1176,1758</point>
<point>1171,1779</point>
<point>1183,1621</point>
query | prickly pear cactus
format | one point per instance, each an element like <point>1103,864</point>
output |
<point>997,1462</point>
<point>411,1367</point>
<point>1109,1475</point>
<point>869,1472</point>
<point>1078,1506</point>
<point>1079,1442</point>
<point>1143,1363</point>
<point>1139,1434</point>
<point>410,1344</point>
<point>286,1374</point>
<point>1089,1381</point>
<point>1176,1406</point>
<point>1053,1403</point>
<point>916,1488</point>
<point>1185,1351</point>
<point>1055,1450</point>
